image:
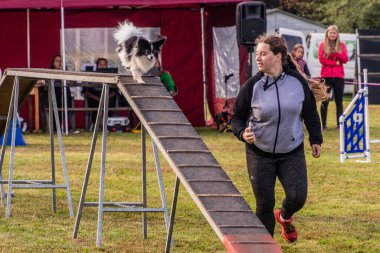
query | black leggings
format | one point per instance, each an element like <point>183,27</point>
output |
<point>290,170</point>
<point>337,84</point>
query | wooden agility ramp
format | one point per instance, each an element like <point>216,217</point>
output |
<point>194,165</point>
<point>6,87</point>
<point>207,183</point>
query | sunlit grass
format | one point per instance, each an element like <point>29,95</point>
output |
<point>342,213</point>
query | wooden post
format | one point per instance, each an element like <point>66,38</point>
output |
<point>36,109</point>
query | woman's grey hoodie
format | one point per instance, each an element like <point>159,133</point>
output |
<point>276,110</point>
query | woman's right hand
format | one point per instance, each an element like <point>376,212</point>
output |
<point>249,135</point>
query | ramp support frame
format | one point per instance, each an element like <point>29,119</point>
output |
<point>33,184</point>
<point>117,206</point>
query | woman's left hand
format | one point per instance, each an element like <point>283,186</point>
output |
<point>316,150</point>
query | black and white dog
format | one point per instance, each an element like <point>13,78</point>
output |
<point>136,52</point>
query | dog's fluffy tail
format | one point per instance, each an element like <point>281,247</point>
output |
<point>125,31</point>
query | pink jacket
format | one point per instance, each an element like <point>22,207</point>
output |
<point>330,67</point>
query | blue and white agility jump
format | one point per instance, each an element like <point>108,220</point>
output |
<point>354,127</point>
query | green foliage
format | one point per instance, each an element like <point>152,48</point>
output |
<point>370,17</point>
<point>346,14</point>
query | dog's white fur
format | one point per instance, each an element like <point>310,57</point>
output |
<point>137,65</point>
<point>126,30</point>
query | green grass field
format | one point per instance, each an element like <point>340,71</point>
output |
<point>342,213</point>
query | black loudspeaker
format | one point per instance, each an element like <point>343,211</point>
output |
<point>251,21</point>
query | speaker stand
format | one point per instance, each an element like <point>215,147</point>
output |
<point>250,52</point>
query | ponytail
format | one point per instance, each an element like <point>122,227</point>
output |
<point>288,63</point>
<point>317,86</point>
<point>291,64</point>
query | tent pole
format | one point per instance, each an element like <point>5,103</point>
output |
<point>204,65</point>
<point>28,35</point>
<point>63,46</point>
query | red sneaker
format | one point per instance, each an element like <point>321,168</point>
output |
<point>289,232</point>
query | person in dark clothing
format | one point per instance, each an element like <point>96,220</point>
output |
<point>56,63</point>
<point>93,94</point>
<point>268,115</point>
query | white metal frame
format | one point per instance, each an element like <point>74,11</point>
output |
<point>362,92</point>
<point>33,184</point>
<point>118,206</point>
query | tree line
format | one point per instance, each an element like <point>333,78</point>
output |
<point>348,15</point>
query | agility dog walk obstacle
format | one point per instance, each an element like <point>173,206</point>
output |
<point>195,167</point>
<point>354,122</point>
<point>15,86</point>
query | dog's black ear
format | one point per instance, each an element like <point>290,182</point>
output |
<point>159,42</point>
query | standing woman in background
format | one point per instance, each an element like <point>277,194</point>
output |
<point>332,54</point>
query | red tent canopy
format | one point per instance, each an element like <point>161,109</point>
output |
<point>18,4</point>
<point>182,54</point>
